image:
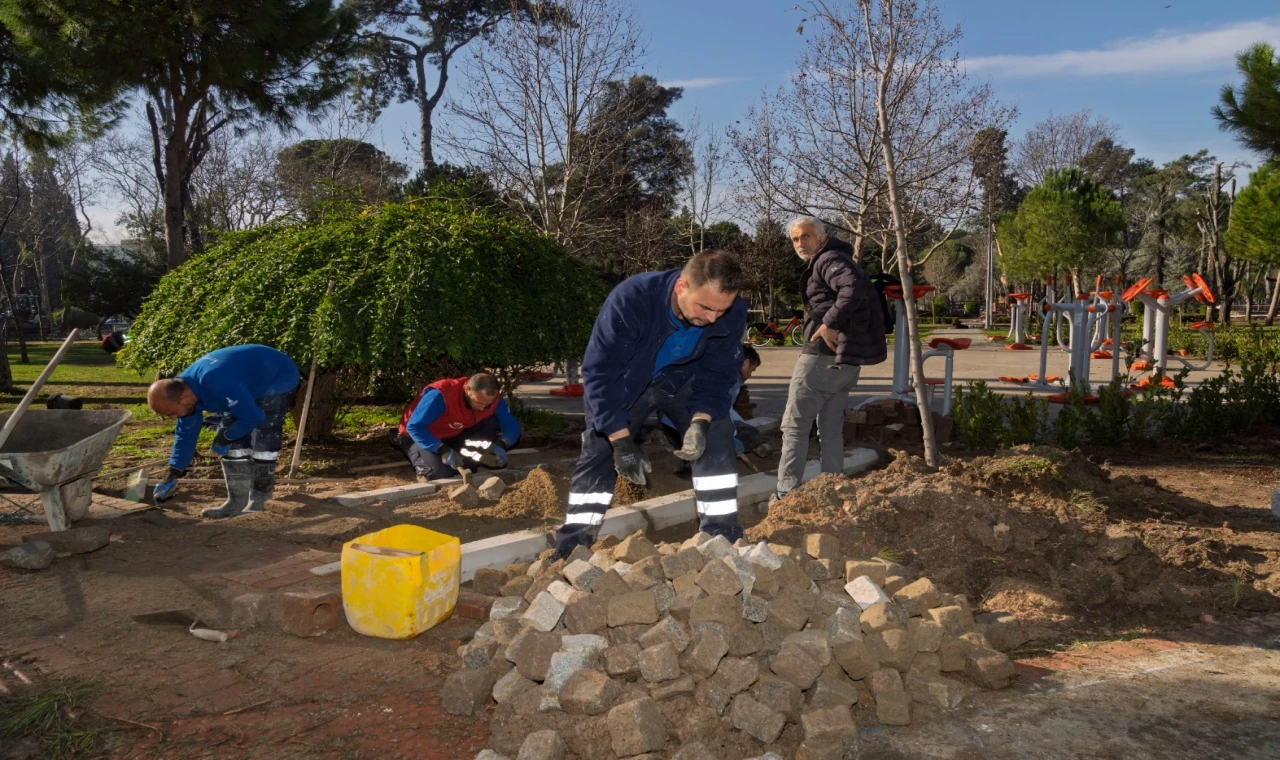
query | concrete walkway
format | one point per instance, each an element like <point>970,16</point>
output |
<point>982,361</point>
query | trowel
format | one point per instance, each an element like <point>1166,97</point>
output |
<point>181,619</point>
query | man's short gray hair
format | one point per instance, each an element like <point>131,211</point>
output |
<point>808,221</point>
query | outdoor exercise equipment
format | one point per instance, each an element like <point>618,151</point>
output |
<point>1020,313</point>
<point>572,387</point>
<point>1157,309</point>
<point>903,389</point>
<point>1088,318</point>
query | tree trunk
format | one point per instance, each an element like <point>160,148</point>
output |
<point>325,404</point>
<point>1250,281</point>
<point>6,374</point>
<point>13,316</point>
<point>904,269</point>
<point>1275,300</point>
<point>1159,272</point>
<point>174,169</point>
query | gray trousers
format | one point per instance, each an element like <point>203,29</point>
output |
<point>819,390</point>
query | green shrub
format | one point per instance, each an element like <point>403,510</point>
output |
<point>384,300</point>
<point>1027,418</point>
<point>971,307</point>
<point>1110,423</point>
<point>978,416</point>
<point>941,306</point>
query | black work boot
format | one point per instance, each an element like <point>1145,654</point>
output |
<point>239,476</point>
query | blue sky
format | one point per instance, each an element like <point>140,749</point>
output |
<point>1152,71</point>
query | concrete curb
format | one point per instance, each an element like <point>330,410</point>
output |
<point>651,514</point>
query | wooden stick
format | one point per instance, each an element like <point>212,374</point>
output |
<point>383,466</point>
<point>30,396</point>
<point>306,402</point>
<point>128,470</point>
<point>246,707</point>
<point>302,424</point>
<point>285,481</point>
<point>136,723</point>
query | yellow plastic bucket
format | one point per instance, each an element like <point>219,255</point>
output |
<point>399,582</point>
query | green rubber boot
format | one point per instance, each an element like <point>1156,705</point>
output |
<point>239,475</point>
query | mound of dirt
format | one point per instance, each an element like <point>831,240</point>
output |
<point>1045,534</point>
<point>534,497</point>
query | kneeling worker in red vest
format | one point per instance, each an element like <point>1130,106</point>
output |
<point>457,423</point>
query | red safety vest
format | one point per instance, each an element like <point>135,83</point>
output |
<point>458,416</point>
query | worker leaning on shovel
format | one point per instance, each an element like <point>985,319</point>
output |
<point>666,342</point>
<point>457,423</point>
<point>252,387</point>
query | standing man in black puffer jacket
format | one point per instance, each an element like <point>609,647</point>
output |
<point>843,330</point>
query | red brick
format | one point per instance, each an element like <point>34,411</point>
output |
<point>473,606</point>
<point>311,613</point>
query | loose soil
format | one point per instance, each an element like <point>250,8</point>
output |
<point>1074,548</point>
<point>1202,543</point>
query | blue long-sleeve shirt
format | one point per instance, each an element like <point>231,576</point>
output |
<point>431,407</point>
<point>628,334</point>
<point>230,380</point>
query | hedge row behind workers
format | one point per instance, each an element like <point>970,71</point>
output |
<point>460,422</point>
<point>251,388</point>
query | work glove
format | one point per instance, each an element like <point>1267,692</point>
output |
<point>164,491</point>
<point>630,460</point>
<point>495,458</point>
<point>450,457</point>
<point>220,443</point>
<point>739,447</point>
<point>695,440</point>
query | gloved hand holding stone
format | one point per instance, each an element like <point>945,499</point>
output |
<point>164,491</point>
<point>495,458</point>
<point>695,440</point>
<point>449,457</point>
<point>630,460</point>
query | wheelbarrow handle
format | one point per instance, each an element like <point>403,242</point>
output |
<point>21,409</point>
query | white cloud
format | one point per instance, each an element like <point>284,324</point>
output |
<point>1166,52</point>
<point>700,82</point>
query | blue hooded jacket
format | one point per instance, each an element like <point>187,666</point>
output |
<point>229,380</point>
<point>631,328</point>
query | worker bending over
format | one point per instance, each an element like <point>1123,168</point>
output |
<point>667,342</point>
<point>251,387</point>
<point>457,423</point>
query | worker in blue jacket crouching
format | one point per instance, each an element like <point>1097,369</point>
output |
<point>251,387</point>
<point>667,342</point>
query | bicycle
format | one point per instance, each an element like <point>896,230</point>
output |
<point>764,333</point>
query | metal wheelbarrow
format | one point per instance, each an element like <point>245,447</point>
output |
<point>57,452</point>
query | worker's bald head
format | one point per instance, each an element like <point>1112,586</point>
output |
<point>171,398</point>
<point>482,390</point>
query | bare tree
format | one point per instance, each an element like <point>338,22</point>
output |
<point>1061,141</point>
<point>927,113</point>
<point>536,115</point>
<point>707,173</point>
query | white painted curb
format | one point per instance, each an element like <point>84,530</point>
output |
<point>651,514</point>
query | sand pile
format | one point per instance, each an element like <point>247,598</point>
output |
<point>1039,532</point>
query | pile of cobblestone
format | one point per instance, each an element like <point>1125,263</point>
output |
<point>631,650</point>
